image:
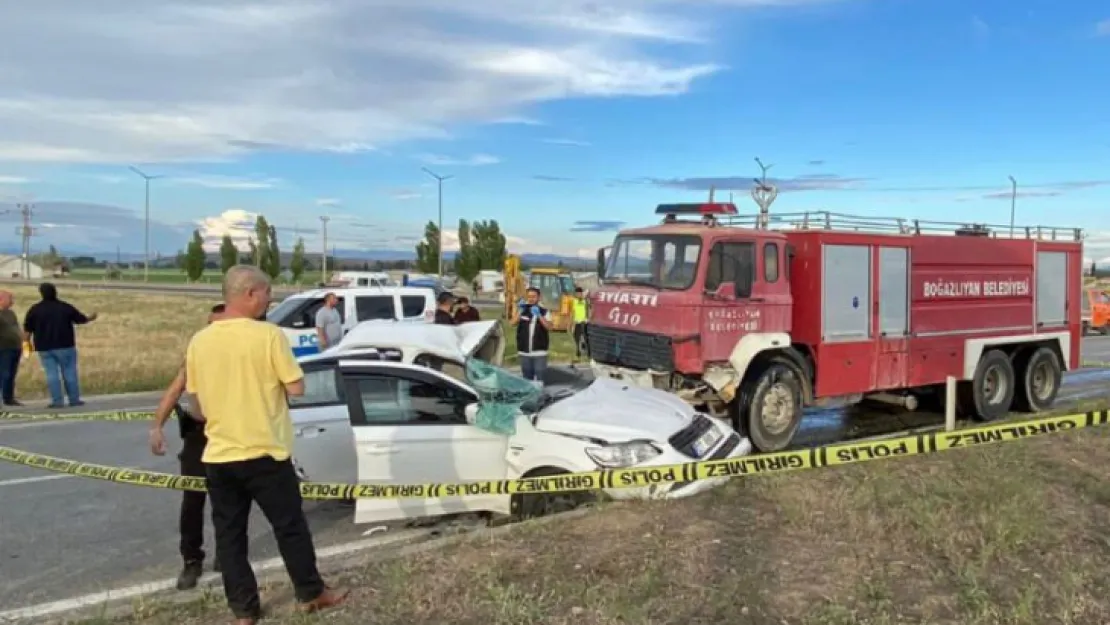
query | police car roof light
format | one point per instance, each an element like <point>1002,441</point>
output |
<point>701,208</point>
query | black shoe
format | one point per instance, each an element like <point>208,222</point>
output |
<point>190,575</point>
<point>13,403</point>
<point>75,404</point>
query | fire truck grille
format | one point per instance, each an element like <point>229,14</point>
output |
<point>625,348</point>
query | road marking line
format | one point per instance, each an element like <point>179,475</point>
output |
<point>208,580</point>
<point>32,480</point>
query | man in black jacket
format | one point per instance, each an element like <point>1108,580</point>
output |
<point>532,322</point>
<point>192,502</point>
<point>50,323</point>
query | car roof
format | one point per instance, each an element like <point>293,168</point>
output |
<point>448,342</point>
<point>367,290</point>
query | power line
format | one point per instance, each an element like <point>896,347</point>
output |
<point>26,231</point>
<point>146,221</point>
<point>324,249</point>
<point>439,182</point>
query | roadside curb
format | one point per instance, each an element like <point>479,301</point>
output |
<point>210,586</point>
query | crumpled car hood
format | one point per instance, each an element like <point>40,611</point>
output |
<point>613,411</point>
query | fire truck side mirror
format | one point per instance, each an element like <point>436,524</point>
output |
<point>600,262</point>
<point>726,291</point>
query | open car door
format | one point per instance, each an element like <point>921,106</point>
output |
<point>411,427</point>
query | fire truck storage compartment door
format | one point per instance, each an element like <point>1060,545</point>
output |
<point>1052,289</point>
<point>894,292</point>
<point>846,293</point>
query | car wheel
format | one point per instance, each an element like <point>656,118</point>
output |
<point>990,394</point>
<point>772,407</point>
<point>528,505</point>
<point>1041,377</point>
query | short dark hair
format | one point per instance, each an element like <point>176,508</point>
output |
<point>445,297</point>
<point>533,289</point>
<point>48,291</point>
<point>218,309</point>
<point>578,289</point>
<point>462,299</point>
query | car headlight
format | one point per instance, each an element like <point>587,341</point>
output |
<point>620,455</point>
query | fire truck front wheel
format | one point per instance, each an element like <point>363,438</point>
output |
<point>989,395</point>
<point>771,407</point>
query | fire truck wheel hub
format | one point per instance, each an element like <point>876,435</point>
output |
<point>994,385</point>
<point>778,409</point>
<point>1041,380</point>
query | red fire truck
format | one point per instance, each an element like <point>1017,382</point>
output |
<point>753,321</point>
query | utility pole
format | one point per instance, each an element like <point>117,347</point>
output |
<point>146,221</point>
<point>1013,203</point>
<point>324,250</point>
<point>26,231</point>
<point>764,194</point>
<point>439,182</point>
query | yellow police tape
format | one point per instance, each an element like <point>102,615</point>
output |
<point>782,462</point>
<point>103,415</point>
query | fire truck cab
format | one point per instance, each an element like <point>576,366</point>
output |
<point>754,323</point>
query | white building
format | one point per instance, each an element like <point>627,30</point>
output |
<point>13,267</point>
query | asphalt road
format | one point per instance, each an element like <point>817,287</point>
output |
<point>63,536</point>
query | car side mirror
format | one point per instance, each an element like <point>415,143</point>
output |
<point>471,412</point>
<point>726,291</point>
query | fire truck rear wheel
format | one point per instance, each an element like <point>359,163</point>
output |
<point>773,409</point>
<point>992,389</point>
<point>1041,378</point>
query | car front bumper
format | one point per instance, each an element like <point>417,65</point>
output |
<point>734,446</point>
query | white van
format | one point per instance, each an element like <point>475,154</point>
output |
<point>361,278</point>
<point>296,314</point>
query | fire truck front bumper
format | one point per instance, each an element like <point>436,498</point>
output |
<point>636,377</point>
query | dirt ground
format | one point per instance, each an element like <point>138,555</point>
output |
<point>1010,534</point>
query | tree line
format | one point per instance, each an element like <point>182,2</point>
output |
<point>264,253</point>
<point>481,246</point>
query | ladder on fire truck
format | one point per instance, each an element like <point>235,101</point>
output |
<point>764,194</point>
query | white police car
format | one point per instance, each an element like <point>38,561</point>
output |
<point>296,314</point>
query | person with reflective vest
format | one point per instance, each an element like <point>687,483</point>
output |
<point>581,316</point>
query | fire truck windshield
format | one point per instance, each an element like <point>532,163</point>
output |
<point>663,261</point>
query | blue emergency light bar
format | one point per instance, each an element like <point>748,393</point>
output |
<point>711,208</point>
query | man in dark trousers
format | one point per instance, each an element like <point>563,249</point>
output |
<point>191,524</point>
<point>239,374</point>
<point>11,348</point>
<point>532,322</point>
<point>444,302</point>
<point>50,323</point>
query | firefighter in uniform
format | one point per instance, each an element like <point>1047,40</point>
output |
<point>581,315</point>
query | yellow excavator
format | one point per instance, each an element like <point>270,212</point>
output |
<point>556,287</point>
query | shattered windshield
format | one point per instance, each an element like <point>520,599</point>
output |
<point>500,395</point>
<point>664,261</point>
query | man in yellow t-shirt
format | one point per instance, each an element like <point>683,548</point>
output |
<point>240,371</point>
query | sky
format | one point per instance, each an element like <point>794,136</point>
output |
<point>562,119</point>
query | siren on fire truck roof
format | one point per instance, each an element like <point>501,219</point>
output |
<point>701,208</point>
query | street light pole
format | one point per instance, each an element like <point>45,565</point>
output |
<point>146,222</point>
<point>324,251</point>
<point>1013,204</point>
<point>439,183</point>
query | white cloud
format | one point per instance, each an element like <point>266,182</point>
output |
<point>474,160</point>
<point>405,194</point>
<point>236,223</point>
<point>328,201</point>
<point>227,183</point>
<point>211,80</point>
<point>568,142</point>
<point>14,180</point>
<point>1102,29</point>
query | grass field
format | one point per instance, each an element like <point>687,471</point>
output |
<point>1003,535</point>
<point>158,276</point>
<point>139,340</point>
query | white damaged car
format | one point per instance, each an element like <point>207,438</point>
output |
<point>391,404</point>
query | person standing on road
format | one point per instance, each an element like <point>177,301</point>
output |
<point>465,313</point>
<point>581,315</point>
<point>240,372</point>
<point>50,323</point>
<point>191,520</point>
<point>532,322</point>
<point>329,324</point>
<point>444,302</point>
<point>11,348</point>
